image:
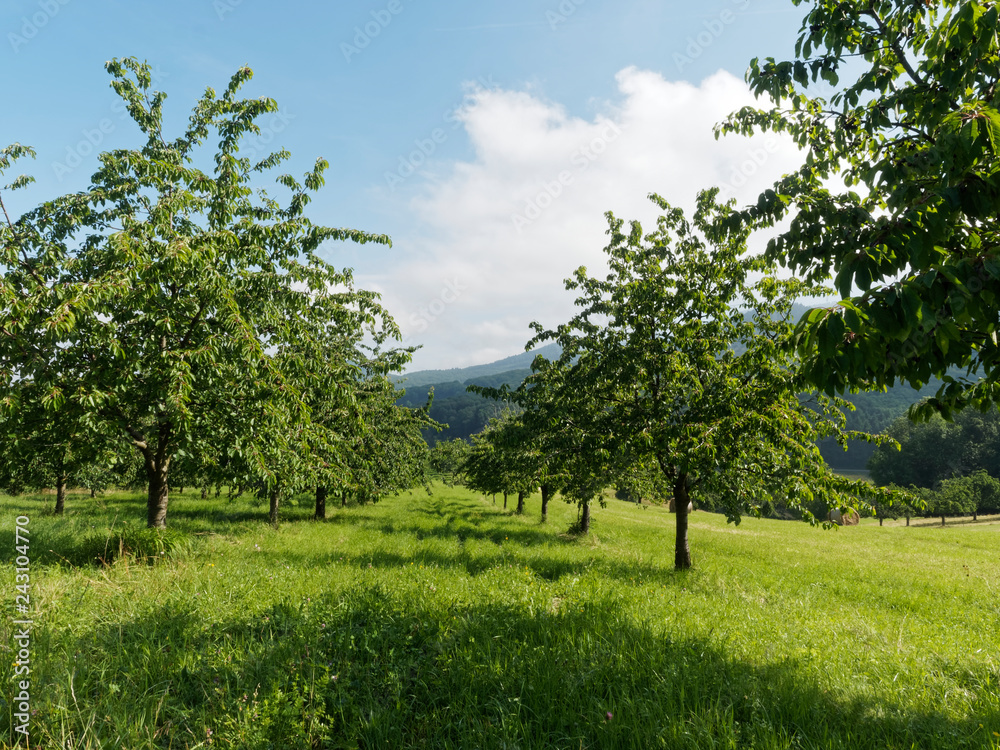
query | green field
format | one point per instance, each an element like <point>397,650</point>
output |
<point>441,621</point>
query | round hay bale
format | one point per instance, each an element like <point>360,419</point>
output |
<point>851,518</point>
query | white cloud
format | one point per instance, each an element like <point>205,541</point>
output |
<point>494,237</point>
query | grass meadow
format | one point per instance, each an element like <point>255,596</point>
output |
<point>442,621</point>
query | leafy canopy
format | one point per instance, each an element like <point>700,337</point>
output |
<point>912,129</point>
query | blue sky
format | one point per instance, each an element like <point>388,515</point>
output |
<point>486,138</point>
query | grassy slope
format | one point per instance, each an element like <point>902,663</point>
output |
<point>443,622</point>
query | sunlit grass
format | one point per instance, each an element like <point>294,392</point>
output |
<point>441,621</point>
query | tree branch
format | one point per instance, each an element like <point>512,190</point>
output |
<point>894,46</point>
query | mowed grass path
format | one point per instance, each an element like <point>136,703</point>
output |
<point>443,622</point>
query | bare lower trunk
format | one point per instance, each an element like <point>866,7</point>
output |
<point>320,513</point>
<point>942,520</point>
<point>157,496</point>
<point>204,492</point>
<point>275,503</point>
<point>505,501</point>
<point>585,517</point>
<point>546,494</point>
<point>60,494</point>
<point>156,460</point>
<point>520,502</point>
<point>682,551</point>
<point>907,519</point>
<point>880,521</point>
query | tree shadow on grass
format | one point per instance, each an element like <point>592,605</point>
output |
<point>496,533</point>
<point>90,525</point>
<point>186,510</point>
<point>368,668</point>
<point>97,530</point>
<point>478,562</point>
<point>120,529</point>
<point>510,542</point>
<point>450,520</point>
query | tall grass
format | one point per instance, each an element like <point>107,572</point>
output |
<point>441,621</point>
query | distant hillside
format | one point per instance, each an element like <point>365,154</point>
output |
<point>465,413</point>
<point>417,395</point>
<point>873,413</point>
<point>413,380</point>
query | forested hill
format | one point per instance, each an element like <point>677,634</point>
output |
<point>873,413</point>
<point>465,413</point>
<point>412,381</point>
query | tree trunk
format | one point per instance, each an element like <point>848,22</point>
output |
<point>157,464</point>
<point>907,519</point>
<point>942,520</point>
<point>218,490</point>
<point>682,551</point>
<point>275,502</point>
<point>546,493</point>
<point>320,503</point>
<point>975,516</point>
<point>343,499</point>
<point>520,502</point>
<point>880,521</point>
<point>60,494</point>
<point>585,517</point>
<point>505,501</point>
<point>157,496</point>
<point>494,498</point>
<point>204,492</point>
<point>93,493</point>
